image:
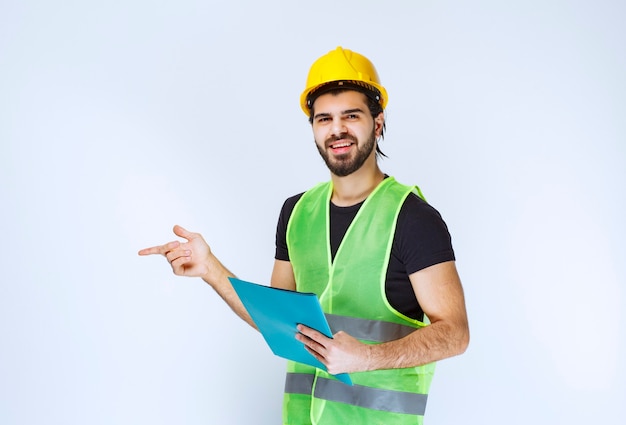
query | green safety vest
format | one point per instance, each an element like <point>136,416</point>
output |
<point>351,290</point>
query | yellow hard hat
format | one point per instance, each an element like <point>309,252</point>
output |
<point>347,69</point>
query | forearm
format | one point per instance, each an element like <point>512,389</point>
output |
<point>434,342</point>
<point>195,259</point>
<point>217,278</point>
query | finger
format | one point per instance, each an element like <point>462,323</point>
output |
<point>183,233</point>
<point>312,346</point>
<point>317,355</point>
<point>160,249</point>
<point>311,333</point>
<point>312,339</point>
<point>149,251</point>
<point>178,265</point>
<point>176,254</point>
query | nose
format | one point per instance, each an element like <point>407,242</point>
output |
<point>338,127</point>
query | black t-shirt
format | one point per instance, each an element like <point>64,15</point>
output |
<point>421,240</point>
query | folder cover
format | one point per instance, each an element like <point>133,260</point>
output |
<point>277,312</point>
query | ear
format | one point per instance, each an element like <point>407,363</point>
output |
<point>379,121</point>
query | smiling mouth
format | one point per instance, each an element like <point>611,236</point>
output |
<point>341,145</point>
<point>341,148</point>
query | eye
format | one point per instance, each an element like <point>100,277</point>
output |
<point>323,119</point>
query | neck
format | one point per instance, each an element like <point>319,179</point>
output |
<point>356,187</point>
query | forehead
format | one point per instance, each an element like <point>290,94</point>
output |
<point>340,101</point>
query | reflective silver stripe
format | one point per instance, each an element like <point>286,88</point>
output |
<point>371,398</point>
<point>299,383</point>
<point>370,330</point>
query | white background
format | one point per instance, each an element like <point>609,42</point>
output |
<point>120,119</point>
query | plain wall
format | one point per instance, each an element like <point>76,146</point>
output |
<point>120,119</point>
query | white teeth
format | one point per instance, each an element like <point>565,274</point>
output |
<point>341,145</point>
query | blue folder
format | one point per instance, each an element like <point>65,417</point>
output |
<point>277,312</point>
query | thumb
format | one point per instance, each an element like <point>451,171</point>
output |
<point>183,233</point>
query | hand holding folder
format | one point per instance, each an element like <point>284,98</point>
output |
<point>277,312</point>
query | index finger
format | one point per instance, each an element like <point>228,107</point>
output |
<point>159,249</point>
<point>311,333</point>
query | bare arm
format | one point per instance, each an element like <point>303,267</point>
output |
<point>195,259</point>
<point>282,275</point>
<point>439,291</point>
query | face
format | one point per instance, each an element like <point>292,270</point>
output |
<point>345,131</point>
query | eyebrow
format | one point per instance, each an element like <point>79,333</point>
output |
<point>346,112</point>
<point>352,111</point>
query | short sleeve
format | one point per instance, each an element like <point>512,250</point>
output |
<point>282,252</point>
<point>422,238</point>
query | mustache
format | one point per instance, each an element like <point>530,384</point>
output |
<point>342,136</point>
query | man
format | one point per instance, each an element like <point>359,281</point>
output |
<point>376,254</point>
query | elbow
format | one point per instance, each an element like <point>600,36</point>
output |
<point>457,339</point>
<point>463,346</point>
<point>462,339</point>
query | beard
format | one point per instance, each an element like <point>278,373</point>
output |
<point>346,164</point>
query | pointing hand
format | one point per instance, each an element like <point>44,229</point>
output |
<point>191,258</point>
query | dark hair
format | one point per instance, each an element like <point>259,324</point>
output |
<point>373,105</point>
